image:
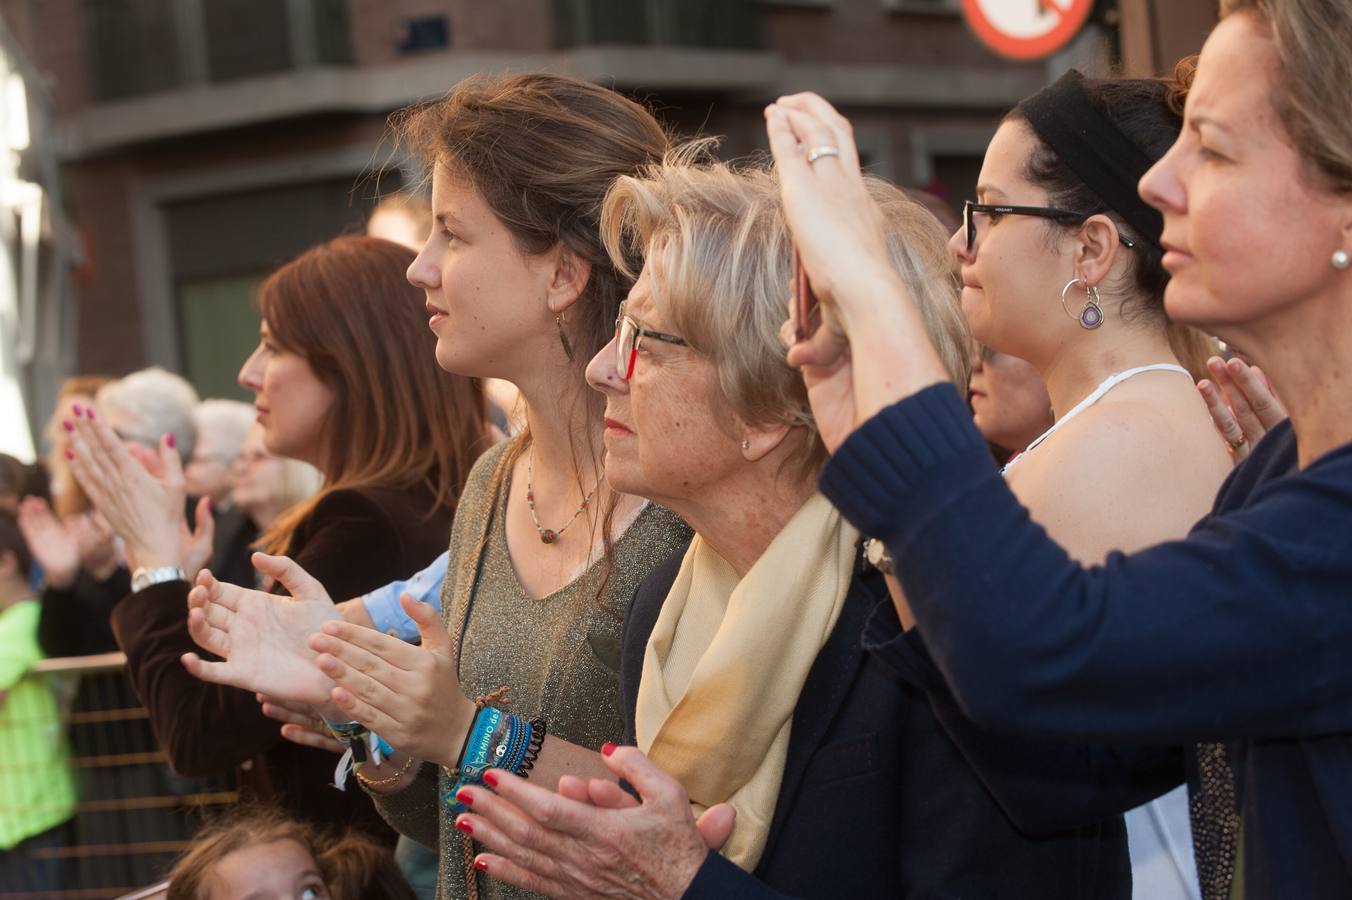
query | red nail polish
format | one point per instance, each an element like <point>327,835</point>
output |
<point>465,797</point>
<point>481,865</point>
<point>89,414</point>
<point>491,778</point>
<point>77,409</point>
<point>465,826</point>
<point>607,749</point>
<point>70,454</point>
<point>66,424</point>
<point>170,440</point>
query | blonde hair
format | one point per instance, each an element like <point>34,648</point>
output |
<point>1313,40</point>
<point>720,258</point>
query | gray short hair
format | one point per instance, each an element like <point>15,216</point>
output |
<point>227,422</point>
<point>149,404</point>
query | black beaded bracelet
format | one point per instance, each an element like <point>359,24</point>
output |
<point>537,741</point>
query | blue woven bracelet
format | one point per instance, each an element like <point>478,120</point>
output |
<point>478,757</point>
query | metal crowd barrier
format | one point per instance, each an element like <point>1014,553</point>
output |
<point>133,815</point>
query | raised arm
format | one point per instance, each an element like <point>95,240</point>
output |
<point>1183,641</point>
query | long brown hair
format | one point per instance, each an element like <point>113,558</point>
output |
<point>353,866</point>
<point>542,150</point>
<point>397,419</point>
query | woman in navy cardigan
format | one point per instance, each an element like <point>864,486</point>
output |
<point>1239,633</point>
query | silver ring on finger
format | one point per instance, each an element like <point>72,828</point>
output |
<point>824,150</point>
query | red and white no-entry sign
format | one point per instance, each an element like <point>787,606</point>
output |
<point>1026,29</point>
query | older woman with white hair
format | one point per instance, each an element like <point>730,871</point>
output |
<point>743,674</point>
<point>145,406</point>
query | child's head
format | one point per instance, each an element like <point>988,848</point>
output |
<point>259,854</point>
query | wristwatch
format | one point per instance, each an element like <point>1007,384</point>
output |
<point>875,551</point>
<point>143,578</point>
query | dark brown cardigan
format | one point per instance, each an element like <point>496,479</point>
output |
<point>354,541</point>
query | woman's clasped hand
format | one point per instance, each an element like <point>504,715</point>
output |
<point>591,839</point>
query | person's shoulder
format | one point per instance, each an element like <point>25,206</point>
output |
<point>657,583</point>
<point>658,526</point>
<point>1144,434</point>
<point>359,501</point>
<point>480,478</point>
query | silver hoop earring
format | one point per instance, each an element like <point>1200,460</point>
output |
<point>1341,259</point>
<point>1091,316</point>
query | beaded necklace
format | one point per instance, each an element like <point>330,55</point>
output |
<point>549,535</point>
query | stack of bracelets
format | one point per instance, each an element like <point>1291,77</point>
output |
<point>362,744</point>
<point>496,740</point>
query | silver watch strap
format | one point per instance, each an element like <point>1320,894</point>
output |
<point>143,578</point>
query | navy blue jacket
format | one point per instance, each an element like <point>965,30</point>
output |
<point>1240,633</point>
<point>877,800</point>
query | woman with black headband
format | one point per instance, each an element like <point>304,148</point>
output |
<point>1061,266</point>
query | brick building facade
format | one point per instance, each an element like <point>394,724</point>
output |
<point>205,141</point>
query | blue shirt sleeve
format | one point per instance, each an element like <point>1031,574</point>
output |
<point>382,604</point>
<point>1239,631</point>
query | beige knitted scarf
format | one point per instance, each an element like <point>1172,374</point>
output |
<point>726,662</point>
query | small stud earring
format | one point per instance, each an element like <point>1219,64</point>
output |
<point>746,445</point>
<point>1341,259</point>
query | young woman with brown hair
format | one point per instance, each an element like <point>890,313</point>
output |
<point>544,556</point>
<point>342,381</point>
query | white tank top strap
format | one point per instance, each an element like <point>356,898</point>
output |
<point>1094,396</point>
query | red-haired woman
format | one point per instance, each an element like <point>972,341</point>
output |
<point>343,379</point>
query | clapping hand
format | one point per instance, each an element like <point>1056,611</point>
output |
<point>262,637</point>
<point>594,840</point>
<point>410,696</point>
<point>141,494</point>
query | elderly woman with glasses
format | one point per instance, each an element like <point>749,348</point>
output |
<point>742,669</point>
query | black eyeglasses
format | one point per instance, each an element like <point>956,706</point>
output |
<point>1063,216</point>
<point>628,335</point>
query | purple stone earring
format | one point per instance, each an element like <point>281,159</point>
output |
<point>1091,316</point>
